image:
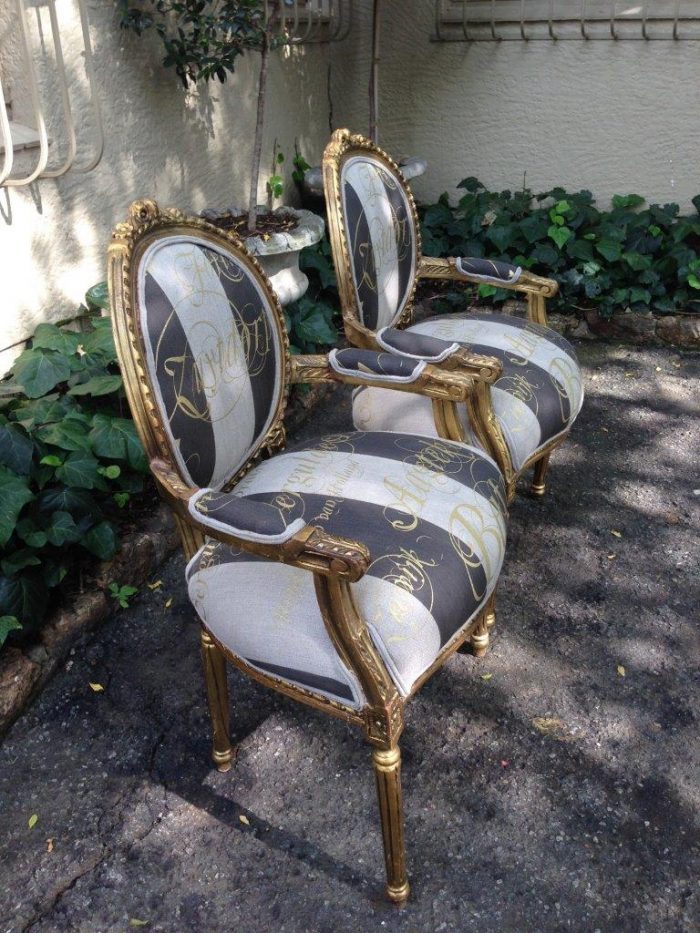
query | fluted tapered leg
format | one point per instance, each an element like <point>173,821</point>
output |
<point>387,770</point>
<point>538,480</point>
<point>214,663</point>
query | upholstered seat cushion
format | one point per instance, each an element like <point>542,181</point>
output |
<point>432,514</point>
<point>537,397</point>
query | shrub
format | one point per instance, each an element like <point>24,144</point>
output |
<point>312,321</point>
<point>70,461</point>
<point>628,257</point>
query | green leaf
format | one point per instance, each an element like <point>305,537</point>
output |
<point>560,235</point>
<point>16,449</point>
<point>501,236</point>
<point>98,297</point>
<point>116,439</point>
<point>14,495</point>
<point>313,327</point>
<point>69,434</point>
<point>79,469</point>
<point>640,295</point>
<point>693,280</point>
<point>637,261</point>
<point>121,498</point>
<point>100,339</point>
<point>110,472</point>
<point>67,499</point>
<point>98,385</point>
<point>39,371</point>
<point>7,624</point>
<point>62,529</point>
<point>471,184</point>
<point>609,249</point>
<point>101,540</point>
<point>486,291</point>
<point>25,597</point>
<point>627,201</point>
<point>51,460</point>
<point>25,557</point>
<point>30,534</point>
<point>50,337</point>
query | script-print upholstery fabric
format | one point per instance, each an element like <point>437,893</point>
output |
<point>537,397</point>
<point>213,354</point>
<point>432,515</point>
<point>381,239</point>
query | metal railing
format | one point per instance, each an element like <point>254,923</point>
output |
<point>42,169</point>
<point>554,20</point>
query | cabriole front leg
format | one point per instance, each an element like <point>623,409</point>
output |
<point>387,770</point>
<point>214,663</point>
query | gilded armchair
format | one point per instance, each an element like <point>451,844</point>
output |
<point>342,573</point>
<point>528,382</point>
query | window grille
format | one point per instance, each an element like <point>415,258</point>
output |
<point>14,136</point>
<point>308,21</point>
<point>554,20</point>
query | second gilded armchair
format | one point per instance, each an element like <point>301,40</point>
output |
<point>529,388</point>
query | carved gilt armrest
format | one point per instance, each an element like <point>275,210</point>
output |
<point>260,528</point>
<point>500,274</point>
<point>415,346</point>
<point>384,370</point>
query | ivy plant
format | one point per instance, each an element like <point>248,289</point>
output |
<point>631,256</point>
<point>313,321</point>
<point>70,462</point>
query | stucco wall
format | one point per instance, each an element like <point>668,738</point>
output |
<point>611,117</point>
<point>190,150</point>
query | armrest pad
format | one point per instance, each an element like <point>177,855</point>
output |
<point>487,270</point>
<point>368,364</point>
<point>252,521</point>
<point>415,346</point>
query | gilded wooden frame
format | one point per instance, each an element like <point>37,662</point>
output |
<point>335,562</point>
<point>342,146</point>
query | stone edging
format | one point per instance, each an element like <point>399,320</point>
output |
<point>23,672</point>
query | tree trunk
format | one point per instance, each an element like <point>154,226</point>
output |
<point>259,125</point>
<point>374,78</point>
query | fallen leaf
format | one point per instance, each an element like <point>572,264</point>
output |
<point>168,603</point>
<point>606,430</point>
<point>614,531</point>
<point>33,820</point>
<point>504,763</point>
<point>677,365</point>
<point>658,369</point>
<point>673,517</point>
<point>135,922</point>
<point>629,375</point>
<point>97,688</point>
<point>49,845</point>
<point>486,676</point>
<point>620,670</point>
<point>548,725</point>
<point>611,557</point>
<point>244,819</point>
<point>154,586</point>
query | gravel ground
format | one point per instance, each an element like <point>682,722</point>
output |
<point>588,825</point>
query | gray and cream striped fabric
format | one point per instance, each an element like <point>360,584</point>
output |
<point>213,353</point>
<point>537,397</point>
<point>432,514</point>
<point>381,239</point>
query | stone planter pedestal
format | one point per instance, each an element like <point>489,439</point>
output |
<point>279,253</point>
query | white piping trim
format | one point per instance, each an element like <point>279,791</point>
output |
<point>450,348</point>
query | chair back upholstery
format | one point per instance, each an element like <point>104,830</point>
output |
<point>199,327</point>
<point>374,231</point>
